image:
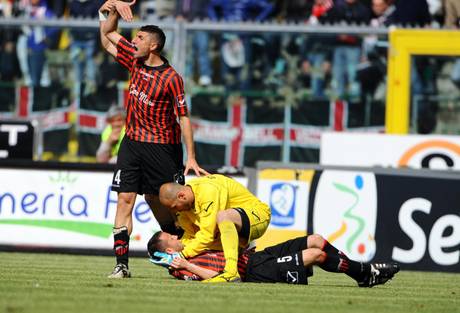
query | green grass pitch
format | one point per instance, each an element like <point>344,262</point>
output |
<point>69,283</point>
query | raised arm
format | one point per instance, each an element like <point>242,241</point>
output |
<point>108,23</point>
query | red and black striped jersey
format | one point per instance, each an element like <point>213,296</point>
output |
<point>156,98</point>
<point>215,261</point>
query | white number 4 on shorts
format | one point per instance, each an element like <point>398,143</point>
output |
<point>117,178</point>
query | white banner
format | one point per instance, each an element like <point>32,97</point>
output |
<point>415,151</point>
<point>66,209</point>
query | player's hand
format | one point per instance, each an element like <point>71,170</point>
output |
<point>179,263</point>
<point>124,9</point>
<point>108,6</point>
<point>163,259</point>
<point>193,165</point>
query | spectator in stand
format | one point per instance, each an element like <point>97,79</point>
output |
<point>346,53</point>
<point>112,135</point>
<point>110,73</point>
<point>452,13</point>
<point>157,9</point>
<point>38,39</point>
<point>316,54</point>
<point>413,12</point>
<point>452,20</point>
<point>58,7</point>
<point>84,44</point>
<point>401,12</point>
<point>8,36</point>
<point>436,11</point>
<point>235,49</point>
<point>6,8</point>
<point>316,50</point>
<point>197,10</point>
<point>292,11</point>
<point>384,13</point>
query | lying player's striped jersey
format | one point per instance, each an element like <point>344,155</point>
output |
<point>215,261</point>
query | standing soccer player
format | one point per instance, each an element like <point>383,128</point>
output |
<point>151,151</point>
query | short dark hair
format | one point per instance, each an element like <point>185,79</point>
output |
<point>155,244</point>
<point>158,32</point>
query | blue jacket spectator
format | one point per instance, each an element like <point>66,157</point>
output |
<point>84,9</point>
<point>38,37</point>
<point>239,10</point>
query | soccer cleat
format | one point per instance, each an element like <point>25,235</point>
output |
<point>380,273</point>
<point>120,271</point>
<point>224,278</point>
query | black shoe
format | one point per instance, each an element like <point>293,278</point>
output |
<point>380,273</point>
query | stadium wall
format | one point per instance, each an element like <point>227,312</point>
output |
<point>68,207</point>
<point>408,216</point>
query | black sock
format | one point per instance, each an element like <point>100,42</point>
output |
<point>331,250</point>
<point>355,270</point>
<point>331,263</point>
<point>121,244</point>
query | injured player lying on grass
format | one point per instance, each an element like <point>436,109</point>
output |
<point>288,262</point>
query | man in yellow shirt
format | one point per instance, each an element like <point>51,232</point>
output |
<point>216,213</point>
<point>112,135</point>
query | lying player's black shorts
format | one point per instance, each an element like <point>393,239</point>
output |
<point>279,264</point>
<point>143,167</point>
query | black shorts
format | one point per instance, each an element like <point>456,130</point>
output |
<point>245,227</point>
<point>143,167</point>
<point>279,264</point>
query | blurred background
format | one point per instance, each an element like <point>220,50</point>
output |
<point>263,78</point>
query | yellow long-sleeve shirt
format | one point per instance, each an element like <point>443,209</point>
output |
<point>213,193</point>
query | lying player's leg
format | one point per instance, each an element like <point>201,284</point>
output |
<point>331,259</point>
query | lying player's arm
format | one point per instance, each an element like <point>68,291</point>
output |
<point>204,273</point>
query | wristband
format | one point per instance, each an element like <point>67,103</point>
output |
<point>102,17</point>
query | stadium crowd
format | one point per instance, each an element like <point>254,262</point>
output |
<point>326,65</point>
<point>321,59</point>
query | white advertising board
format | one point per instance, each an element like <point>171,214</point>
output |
<point>345,212</point>
<point>66,209</point>
<point>368,150</point>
